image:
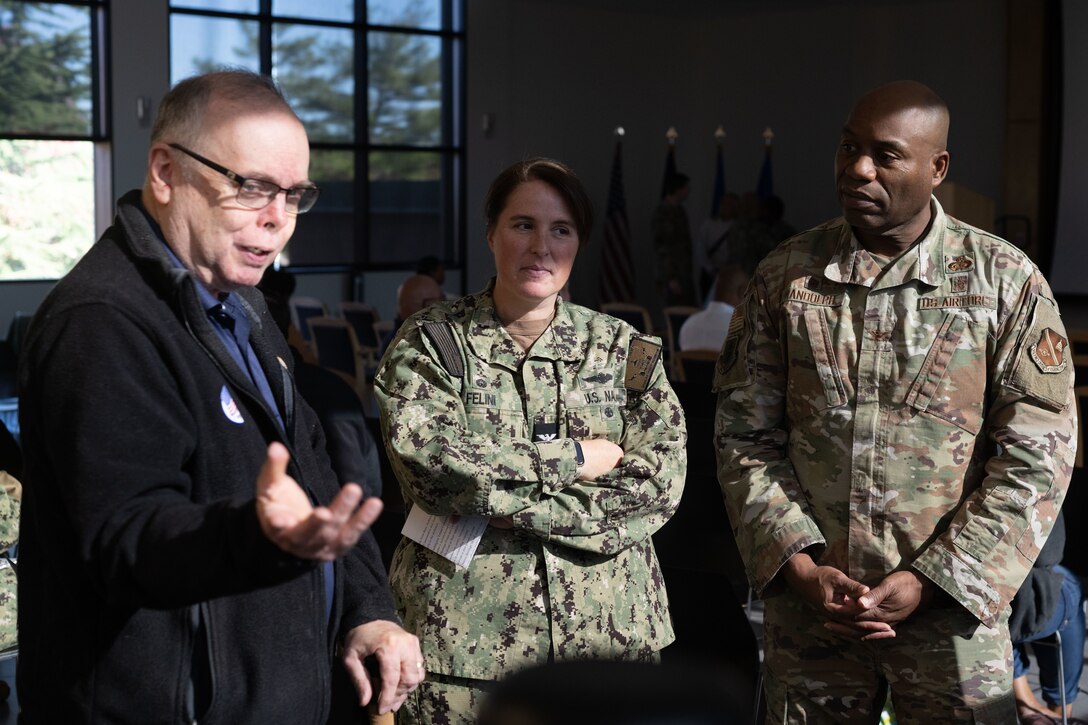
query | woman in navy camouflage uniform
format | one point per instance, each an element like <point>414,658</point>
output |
<point>557,425</point>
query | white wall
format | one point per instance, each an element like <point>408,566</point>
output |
<point>559,75</point>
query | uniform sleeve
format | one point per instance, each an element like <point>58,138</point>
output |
<point>632,501</point>
<point>985,554</point>
<point>447,469</point>
<point>767,510</point>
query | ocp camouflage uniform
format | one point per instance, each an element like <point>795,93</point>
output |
<point>577,576</point>
<point>10,495</point>
<point>916,417</point>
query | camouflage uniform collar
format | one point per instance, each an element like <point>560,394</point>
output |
<point>490,342</point>
<point>852,264</point>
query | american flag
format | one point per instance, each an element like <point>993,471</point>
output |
<point>617,275</point>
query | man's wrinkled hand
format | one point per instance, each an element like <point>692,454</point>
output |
<point>295,525</point>
<point>400,663</point>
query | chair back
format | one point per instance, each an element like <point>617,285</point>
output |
<point>302,309</point>
<point>636,316</point>
<point>362,318</point>
<point>696,367</point>
<point>335,346</point>
<point>675,315</point>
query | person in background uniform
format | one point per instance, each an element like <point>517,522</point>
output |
<point>187,554</point>
<point>750,237</point>
<point>711,243</point>
<point>556,424</point>
<point>895,435</point>
<point>672,243</point>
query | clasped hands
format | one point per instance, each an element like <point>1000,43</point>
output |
<point>853,609</point>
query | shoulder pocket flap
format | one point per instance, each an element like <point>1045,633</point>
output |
<point>1042,366</point>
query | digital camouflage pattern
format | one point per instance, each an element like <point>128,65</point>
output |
<point>10,496</point>
<point>576,576</point>
<point>897,418</point>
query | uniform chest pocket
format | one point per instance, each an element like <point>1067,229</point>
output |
<point>951,384</point>
<point>595,421</point>
<point>497,421</point>
<point>815,379</point>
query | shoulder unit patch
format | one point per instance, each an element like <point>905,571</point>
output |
<point>1049,352</point>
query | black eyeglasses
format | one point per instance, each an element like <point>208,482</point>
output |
<point>258,193</point>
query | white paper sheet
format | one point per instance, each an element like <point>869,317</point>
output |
<point>455,540</point>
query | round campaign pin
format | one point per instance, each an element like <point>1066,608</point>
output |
<point>230,408</point>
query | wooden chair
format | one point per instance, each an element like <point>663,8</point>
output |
<point>362,317</point>
<point>635,315</point>
<point>674,318</point>
<point>697,366</point>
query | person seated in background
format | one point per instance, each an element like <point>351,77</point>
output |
<point>416,293</point>
<point>706,330</point>
<point>1050,600</point>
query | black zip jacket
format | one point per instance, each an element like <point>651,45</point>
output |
<point>142,563</point>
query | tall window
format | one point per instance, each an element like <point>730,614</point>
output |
<point>51,116</point>
<point>378,84</point>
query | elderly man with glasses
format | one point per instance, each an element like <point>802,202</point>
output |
<point>187,553</point>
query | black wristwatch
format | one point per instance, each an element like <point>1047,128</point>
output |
<point>579,457</point>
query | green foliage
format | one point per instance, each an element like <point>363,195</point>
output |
<point>315,66</point>
<point>46,206</point>
<point>44,69</point>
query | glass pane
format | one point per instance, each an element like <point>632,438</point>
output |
<point>46,207</point>
<point>326,235</point>
<point>424,14</point>
<point>199,44</point>
<point>405,92</point>
<point>45,76</point>
<point>314,67</point>
<point>228,6</point>
<point>343,10</point>
<point>406,209</point>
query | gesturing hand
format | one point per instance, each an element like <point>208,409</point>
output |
<point>291,522</point>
